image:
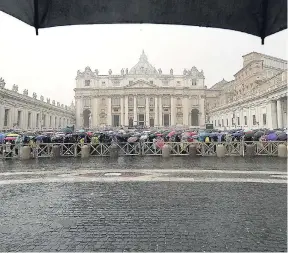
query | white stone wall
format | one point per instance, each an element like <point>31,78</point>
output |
<point>272,103</point>
<point>14,102</point>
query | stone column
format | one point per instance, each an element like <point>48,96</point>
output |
<point>279,114</point>
<point>2,115</point>
<point>12,116</point>
<point>122,120</point>
<point>79,111</point>
<point>160,117</point>
<point>33,120</point>
<point>185,111</point>
<point>241,118</point>
<point>202,111</point>
<point>25,119</point>
<point>126,122</point>
<point>109,112</point>
<point>156,111</point>
<point>147,116</point>
<point>94,112</point>
<point>173,111</point>
<point>135,121</point>
<point>272,115</point>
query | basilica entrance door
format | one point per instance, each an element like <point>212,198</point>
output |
<point>195,117</point>
<point>151,122</point>
<point>130,122</point>
<point>166,119</point>
<point>86,118</point>
<point>141,119</point>
<point>116,120</point>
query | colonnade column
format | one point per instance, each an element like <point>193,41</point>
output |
<point>95,112</point>
<point>202,118</point>
<point>147,116</point>
<point>79,112</point>
<point>156,112</point>
<point>173,111</point>
<point>160,123</point>
<point>185,111</point>
<point>109,112</point>
<point>126,122</point>
<point>122,120</point>
<point>273,116</point>
<point>34,120</point>
<point>12,116</point>
<point>241,117</point>
<point>24,119</point>
<point>2,115</point>
<point>279,114</point>
<point>135,121</point>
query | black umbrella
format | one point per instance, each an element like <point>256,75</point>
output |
<point>257,17</point>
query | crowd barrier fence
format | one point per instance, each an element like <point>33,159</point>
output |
<point>261,148</point>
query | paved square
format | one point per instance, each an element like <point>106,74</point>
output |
<point>143,215</point>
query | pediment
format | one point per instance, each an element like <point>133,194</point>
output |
<point>141,84</point>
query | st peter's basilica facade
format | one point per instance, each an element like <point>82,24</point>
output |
<point>141,96</point>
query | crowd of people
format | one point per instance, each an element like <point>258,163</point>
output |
<point>157,138</point>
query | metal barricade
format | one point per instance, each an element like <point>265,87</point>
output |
<point>44,150</point>
<point>209,149</point>
<point>267,148</point>
<point>129,148</point>
<point>179,148</point>
<point>233,148</point>
<point>262,148</point>
<point>66,149</point>
<point>9,151</point>
<point>150,148</point>
<point>77,149</point>
<point>101,149</point>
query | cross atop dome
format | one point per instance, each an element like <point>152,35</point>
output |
<point>143,57</point>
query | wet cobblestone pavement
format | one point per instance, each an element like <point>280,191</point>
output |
<point>136,162</point>
<point>145,215</point>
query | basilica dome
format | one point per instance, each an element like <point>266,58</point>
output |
<point>143,67</point>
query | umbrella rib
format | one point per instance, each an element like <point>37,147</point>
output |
<point>264,20</point>
<point>36,16</point>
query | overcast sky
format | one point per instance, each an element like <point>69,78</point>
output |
<point>47,64</point>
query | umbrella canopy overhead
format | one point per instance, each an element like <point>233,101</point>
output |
<point>258,17</point>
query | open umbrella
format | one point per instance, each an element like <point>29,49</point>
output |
<point>272,137</point>
<point>2,137</point>
<point>171,133</point>
<point>12,135</point>
<point>258,17</point>
<point>10,138</point>
<point>67,130</point>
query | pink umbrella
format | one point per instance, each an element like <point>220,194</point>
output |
<point>171,134</point>
<point>160,143</point>
<point>10,139</point>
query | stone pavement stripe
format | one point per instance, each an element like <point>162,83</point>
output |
<point>142,179</point>
<point>141,171</point>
